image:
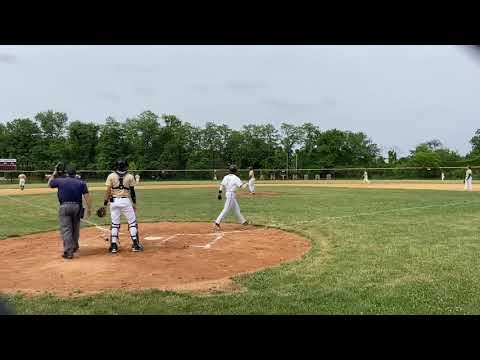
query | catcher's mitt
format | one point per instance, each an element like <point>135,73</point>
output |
<point>101,212</point>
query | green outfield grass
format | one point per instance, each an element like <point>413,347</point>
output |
<point>373,252</point>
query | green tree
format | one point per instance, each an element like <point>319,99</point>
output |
<point>291,135</point>
<point>143,134</point>
<point>82,142</point>
<point>392,157</point>
<point>23,142</point>
<point>113,144</point>
<point>3,141</point>
<point>53,128</point>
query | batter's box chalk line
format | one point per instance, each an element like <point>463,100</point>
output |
<point>216,236</point>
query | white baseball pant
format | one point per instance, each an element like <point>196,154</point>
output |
<point>251,185</point>
<point>21,182</point>
<point>117,207</point>
<point>230,203</point>
<point>468,184</point>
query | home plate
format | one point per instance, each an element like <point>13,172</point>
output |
<point>153,237</point>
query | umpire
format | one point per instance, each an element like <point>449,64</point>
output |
<point>70,192</point>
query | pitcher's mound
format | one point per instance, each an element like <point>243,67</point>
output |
<point>189,256</point>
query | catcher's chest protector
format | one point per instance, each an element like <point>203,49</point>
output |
<point>120,180</point>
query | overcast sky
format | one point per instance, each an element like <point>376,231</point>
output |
<point>398,95</point>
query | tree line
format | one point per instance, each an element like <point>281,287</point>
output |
<point>150,141</point>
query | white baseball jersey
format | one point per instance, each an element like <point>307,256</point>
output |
<point>21,179</point>
<point>468,172</point>
<point>113,180</point>
<point>251,175</point>
<point>137,178</point>
<point>231,183</point>
<point>468,180</point>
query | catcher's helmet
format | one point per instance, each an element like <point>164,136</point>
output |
<point>232,168</point>
<point>121,165</point>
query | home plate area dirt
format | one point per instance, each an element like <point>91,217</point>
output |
<point>177,256</point>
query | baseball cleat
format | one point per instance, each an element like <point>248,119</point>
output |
<point>245,223</point>
<point>136,247</point>
<point>113,248</point>
<point>216,227</point>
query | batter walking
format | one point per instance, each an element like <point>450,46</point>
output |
<point>122,198</point>
<point>70,192</point>
<point>230,184</point>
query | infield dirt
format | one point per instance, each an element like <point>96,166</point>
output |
<point>177,256</point>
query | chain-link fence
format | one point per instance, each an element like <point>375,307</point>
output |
<point>334,174</point>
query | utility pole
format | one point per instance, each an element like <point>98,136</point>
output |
<point>287,164</point>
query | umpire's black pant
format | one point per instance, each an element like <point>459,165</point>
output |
<point>69,218</point>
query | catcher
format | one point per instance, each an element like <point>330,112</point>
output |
<point>121,196</point>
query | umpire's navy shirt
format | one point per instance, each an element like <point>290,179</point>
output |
<point>69,189</point>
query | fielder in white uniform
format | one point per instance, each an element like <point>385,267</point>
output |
<point>230,184</point>
<point>21,181</point>
<point>251,181</point>
<point>122,198</point>
<point>468,179</point>
<point>443,176</point>
<point>137,179</point>
<point>365,177</point>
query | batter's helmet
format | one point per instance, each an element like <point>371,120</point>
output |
<point>121,165</point>
<point>232,168</point>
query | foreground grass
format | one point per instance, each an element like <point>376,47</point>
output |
<point>373,252</point>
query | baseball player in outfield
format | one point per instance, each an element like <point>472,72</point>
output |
<point>230,184</point>
<point>21,181</point>
<point>251,181</point>
<point>137,179</point>
<point>468,179</point>
<point>122,198</point>
<point>443,176</point>
<point>365,177</point>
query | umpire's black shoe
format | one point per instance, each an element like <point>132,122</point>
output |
<point>113,248</point>
<point>136,246</point>
<point>68,256</point>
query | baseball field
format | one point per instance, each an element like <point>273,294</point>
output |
<point>312,248</point>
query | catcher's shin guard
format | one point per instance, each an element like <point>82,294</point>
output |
<point>114,230</point>
<point>134,236</point>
